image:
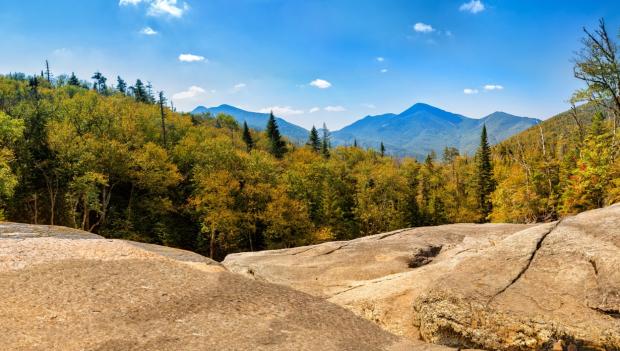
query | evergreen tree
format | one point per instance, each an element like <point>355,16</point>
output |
<point>382,149</point>
<point>354,142</point>
<point>121,85</point>
<point>73,80</point>
<point>48,73</point>
<point>277,146</point>
<point>149,93</point>
<point>100,82</point>
<point>485,184</point>
<point>247,137</point>
<point>162,101</point>
<point>313,140</point>
<point>139,92</point>
<point>326,145</point>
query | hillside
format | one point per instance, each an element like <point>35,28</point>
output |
<point>563,126</point>
<point>256,120</point>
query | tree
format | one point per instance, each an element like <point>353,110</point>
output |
<point>247,137</point>
<point>325,145</point>
<point>591,176</point>
<point>121,85</point>
<point>149,93</point>
<point>162,101</point>
<point>314,142</point>
<point>598,65</point>
<point>73,80</point>
<point>354,142</point>
<point>100,83</point>
<point>48,73</point>
<point>382,149</point>
<point>486,184</point>
<point>139,92</point>
<point>277,146</point>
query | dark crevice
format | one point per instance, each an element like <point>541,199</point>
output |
<point>424,256</point>
<point>302,251</point>
<point>609,312</point>
<point>392,233</point>
<point>529,262</point>
<point>594,266</point>
<point>335,249</point>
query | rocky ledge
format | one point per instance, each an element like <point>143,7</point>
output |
<point>551,286</point>
<point>63,289</point>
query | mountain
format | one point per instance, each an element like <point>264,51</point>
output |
<point>256,120</point>
<point>416,131</point>
<point>423,128</point>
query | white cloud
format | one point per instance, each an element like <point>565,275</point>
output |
<point>129,2</point>
<point>384,70</point>
<point>469,91</point>
<point>166,7</point>
<point>321,84</point>
<point>63,52</point>
<point>489,87</point>
<point>315,109</point>
<point>281,110</point>
<point>191,92</point>
<point>334,109</point>
<point>423,28</point>
<point>380,59</point>
<point>148,31</point>
<point>369,106</point>
<point>159,7</point>
<point>238,87</point>
<point>474,6</point>
<point>191,58</point>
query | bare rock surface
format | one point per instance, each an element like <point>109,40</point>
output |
<point>64,289</point>
<point>491,286</point>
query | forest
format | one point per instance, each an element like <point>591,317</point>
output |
<point>119,161</point>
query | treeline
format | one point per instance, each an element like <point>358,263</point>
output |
<point>119,161</point>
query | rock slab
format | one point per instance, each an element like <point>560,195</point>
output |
<point>64,289</point>
<point>491,286</point>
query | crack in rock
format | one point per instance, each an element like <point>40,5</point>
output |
<point>336,249</point>
<point>529,262</point>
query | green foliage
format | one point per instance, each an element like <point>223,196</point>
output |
<point>314,142</point>
<point>486,183</point>
<point>277,146</point>
<point>247,137</point>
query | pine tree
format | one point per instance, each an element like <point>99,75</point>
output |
<point>48,73</point>
<point>149,93</point>
<point>247,137</point>
<point>354,142</point>
<point>162,101</point>
<point>100,82</point>
<point>382,149</point>
<point>121,85</point>
<point>313,140</point>
<point>139,92</point>
<point>73,80</point>
<point>276,144</point>
<point>325,145</point>
<point>485,184</point>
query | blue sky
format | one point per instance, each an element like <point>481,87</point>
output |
<point>316,61</point>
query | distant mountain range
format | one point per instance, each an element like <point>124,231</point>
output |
<point>257,120</point>
<point>414,132</point>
